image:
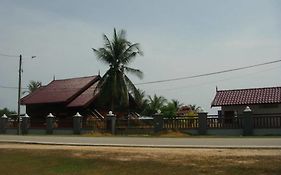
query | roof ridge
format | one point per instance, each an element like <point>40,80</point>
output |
<point>273,87</point>
<point>75,78</point>
<point>83,89</point>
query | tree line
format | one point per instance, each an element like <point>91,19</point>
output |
<point>149,105</point>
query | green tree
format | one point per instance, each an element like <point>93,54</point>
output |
<point>155,103</point>
<point>141,101</point>
<point>170,110</point>
<point>114,86</point>
<point>33,86</point>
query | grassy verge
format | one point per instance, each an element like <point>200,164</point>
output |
<point>141,161</point>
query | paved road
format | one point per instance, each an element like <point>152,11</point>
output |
<point>148,142</point>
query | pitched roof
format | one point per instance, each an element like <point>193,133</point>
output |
<point>86,97</point>
<point>268,95</point>
<point>61,91</point>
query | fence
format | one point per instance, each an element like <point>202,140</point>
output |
<point>202,123</point>
<point>267,121</point>
<point>225,123</point>
<point>134,126</point>
<point>181,123</point>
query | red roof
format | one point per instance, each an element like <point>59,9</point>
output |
<point>267,95</point>
<point>86,97</point>
<point>62,91</point>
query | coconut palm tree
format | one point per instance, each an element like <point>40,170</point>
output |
<point>115,87</point>
<point>141,101</point>
<point>32,86</point>
<point>155,103</point>
<point>176,103</point>
<point>170,110</point>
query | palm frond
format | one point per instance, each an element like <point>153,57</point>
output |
<point>103,55</point>
<point>130,53</point>
<point>107,42</point>
<point>131,86</point>
<point>136,72</point>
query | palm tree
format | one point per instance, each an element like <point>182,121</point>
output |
<point>170,110</point>
<point>32,86</point>
<point>141,101</point>
<point>155,103</point>
<point>176,103</point>
<point>115,87</point>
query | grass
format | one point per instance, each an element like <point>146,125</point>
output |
<point>99,162</point>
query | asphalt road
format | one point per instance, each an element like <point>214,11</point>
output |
<point>191,142</point>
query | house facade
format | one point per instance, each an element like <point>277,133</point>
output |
<point>260,100</point>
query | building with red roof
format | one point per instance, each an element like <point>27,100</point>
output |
<point>260,100</point>
<point>63,98</point>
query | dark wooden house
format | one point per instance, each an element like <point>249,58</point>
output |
<point>63,98</point>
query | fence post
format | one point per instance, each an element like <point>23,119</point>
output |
<point>25,124</point>
<point>77,123</point>
<point>202,123</point>
<point>247,122</point>
<point>158,122</point>
<point>3,124</point>
<point>111,122</point>
<point>50,123</point>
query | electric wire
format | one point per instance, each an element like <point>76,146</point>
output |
<point>186,77</point>
<point>208,74</point>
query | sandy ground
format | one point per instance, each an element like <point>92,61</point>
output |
<point>128,153</point>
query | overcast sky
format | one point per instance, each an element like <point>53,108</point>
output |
<point>178,37</point>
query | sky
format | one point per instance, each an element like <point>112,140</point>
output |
<point>178,37</point>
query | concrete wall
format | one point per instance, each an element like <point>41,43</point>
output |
<point>225,132</point>
<point>264,132</point>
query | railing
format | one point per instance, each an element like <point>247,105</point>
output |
<point>225,123</point>
<point>134,123</point>
<point>94,124</point>
<point>267,121</point>
<point>180,123</point>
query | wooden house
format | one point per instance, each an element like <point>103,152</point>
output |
<point>63,98</point>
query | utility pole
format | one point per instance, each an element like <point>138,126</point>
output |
<point>19,94</point>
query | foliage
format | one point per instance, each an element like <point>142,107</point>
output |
<point>115,85</point>
<point>155,103</point>
<point>33,86</point>
<point>170,110</point>
<point>6,111</point>
<point>141,101</point>
<point>195,108</point>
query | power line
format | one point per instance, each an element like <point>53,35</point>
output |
<point>221,80</point>
<point>180,78</point>
<point>208,74</point>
